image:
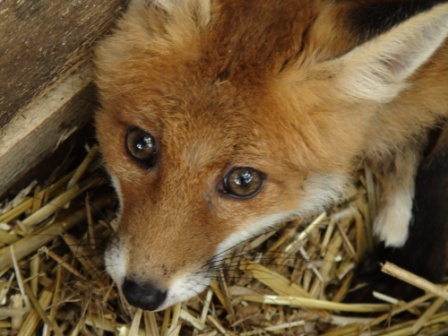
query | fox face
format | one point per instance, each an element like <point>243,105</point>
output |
<point>220,119</point>
<point>224,162</point>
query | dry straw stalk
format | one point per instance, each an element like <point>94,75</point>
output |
<point>288,281</point>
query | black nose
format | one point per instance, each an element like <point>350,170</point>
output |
<point>146,296</point>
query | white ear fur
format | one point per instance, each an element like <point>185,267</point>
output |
<point>377,70</point>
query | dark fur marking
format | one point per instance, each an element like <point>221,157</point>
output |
<point>223,76</point>
<point>371,19</point>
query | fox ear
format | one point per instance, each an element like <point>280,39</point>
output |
<point>377,70</point>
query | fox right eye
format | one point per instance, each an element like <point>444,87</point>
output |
<point>243,182</point>
<point>141,147</point>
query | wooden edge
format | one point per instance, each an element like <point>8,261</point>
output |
<point>40,128</point>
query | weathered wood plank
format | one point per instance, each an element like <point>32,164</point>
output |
<point>38,130</point>
<point>45,85</point>
<point>44,41</point>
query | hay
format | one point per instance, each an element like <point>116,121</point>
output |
<point>288,281</point>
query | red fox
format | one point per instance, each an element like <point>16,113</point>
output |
<point>221,118</point>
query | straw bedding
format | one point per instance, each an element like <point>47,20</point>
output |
<point>288,281</point>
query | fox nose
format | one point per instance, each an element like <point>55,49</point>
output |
<point>147,296</point>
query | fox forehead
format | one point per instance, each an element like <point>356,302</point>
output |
<point>239,42</point>
<point>238,71</point>
<point>244,54</point>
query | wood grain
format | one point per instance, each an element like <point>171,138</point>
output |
<point>35,132</point>
<point>46,90</point>
<point>44,41</point>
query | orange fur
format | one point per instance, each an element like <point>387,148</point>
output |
<point>229,83</point>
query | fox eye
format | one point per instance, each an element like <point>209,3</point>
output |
<point>141,146</point>
<point>243,182</point>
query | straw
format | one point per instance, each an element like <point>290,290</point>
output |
<point>288,281</point>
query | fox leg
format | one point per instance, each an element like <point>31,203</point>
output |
<point>396,180</point>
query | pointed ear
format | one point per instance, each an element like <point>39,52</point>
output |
<point>377,70</point>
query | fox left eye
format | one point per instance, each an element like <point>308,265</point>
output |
<point>141,146</point>
<point>243,182</point>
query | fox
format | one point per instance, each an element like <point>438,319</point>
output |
<point>219,119</point>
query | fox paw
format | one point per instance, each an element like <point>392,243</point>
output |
<point>391,225</point>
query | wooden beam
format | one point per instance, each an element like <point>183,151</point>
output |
<point>43,42</point>
<point>35,132</point>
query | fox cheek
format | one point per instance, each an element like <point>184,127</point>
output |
<point>115,260</point>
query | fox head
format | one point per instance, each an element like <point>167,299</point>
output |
<point>221,118</point>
